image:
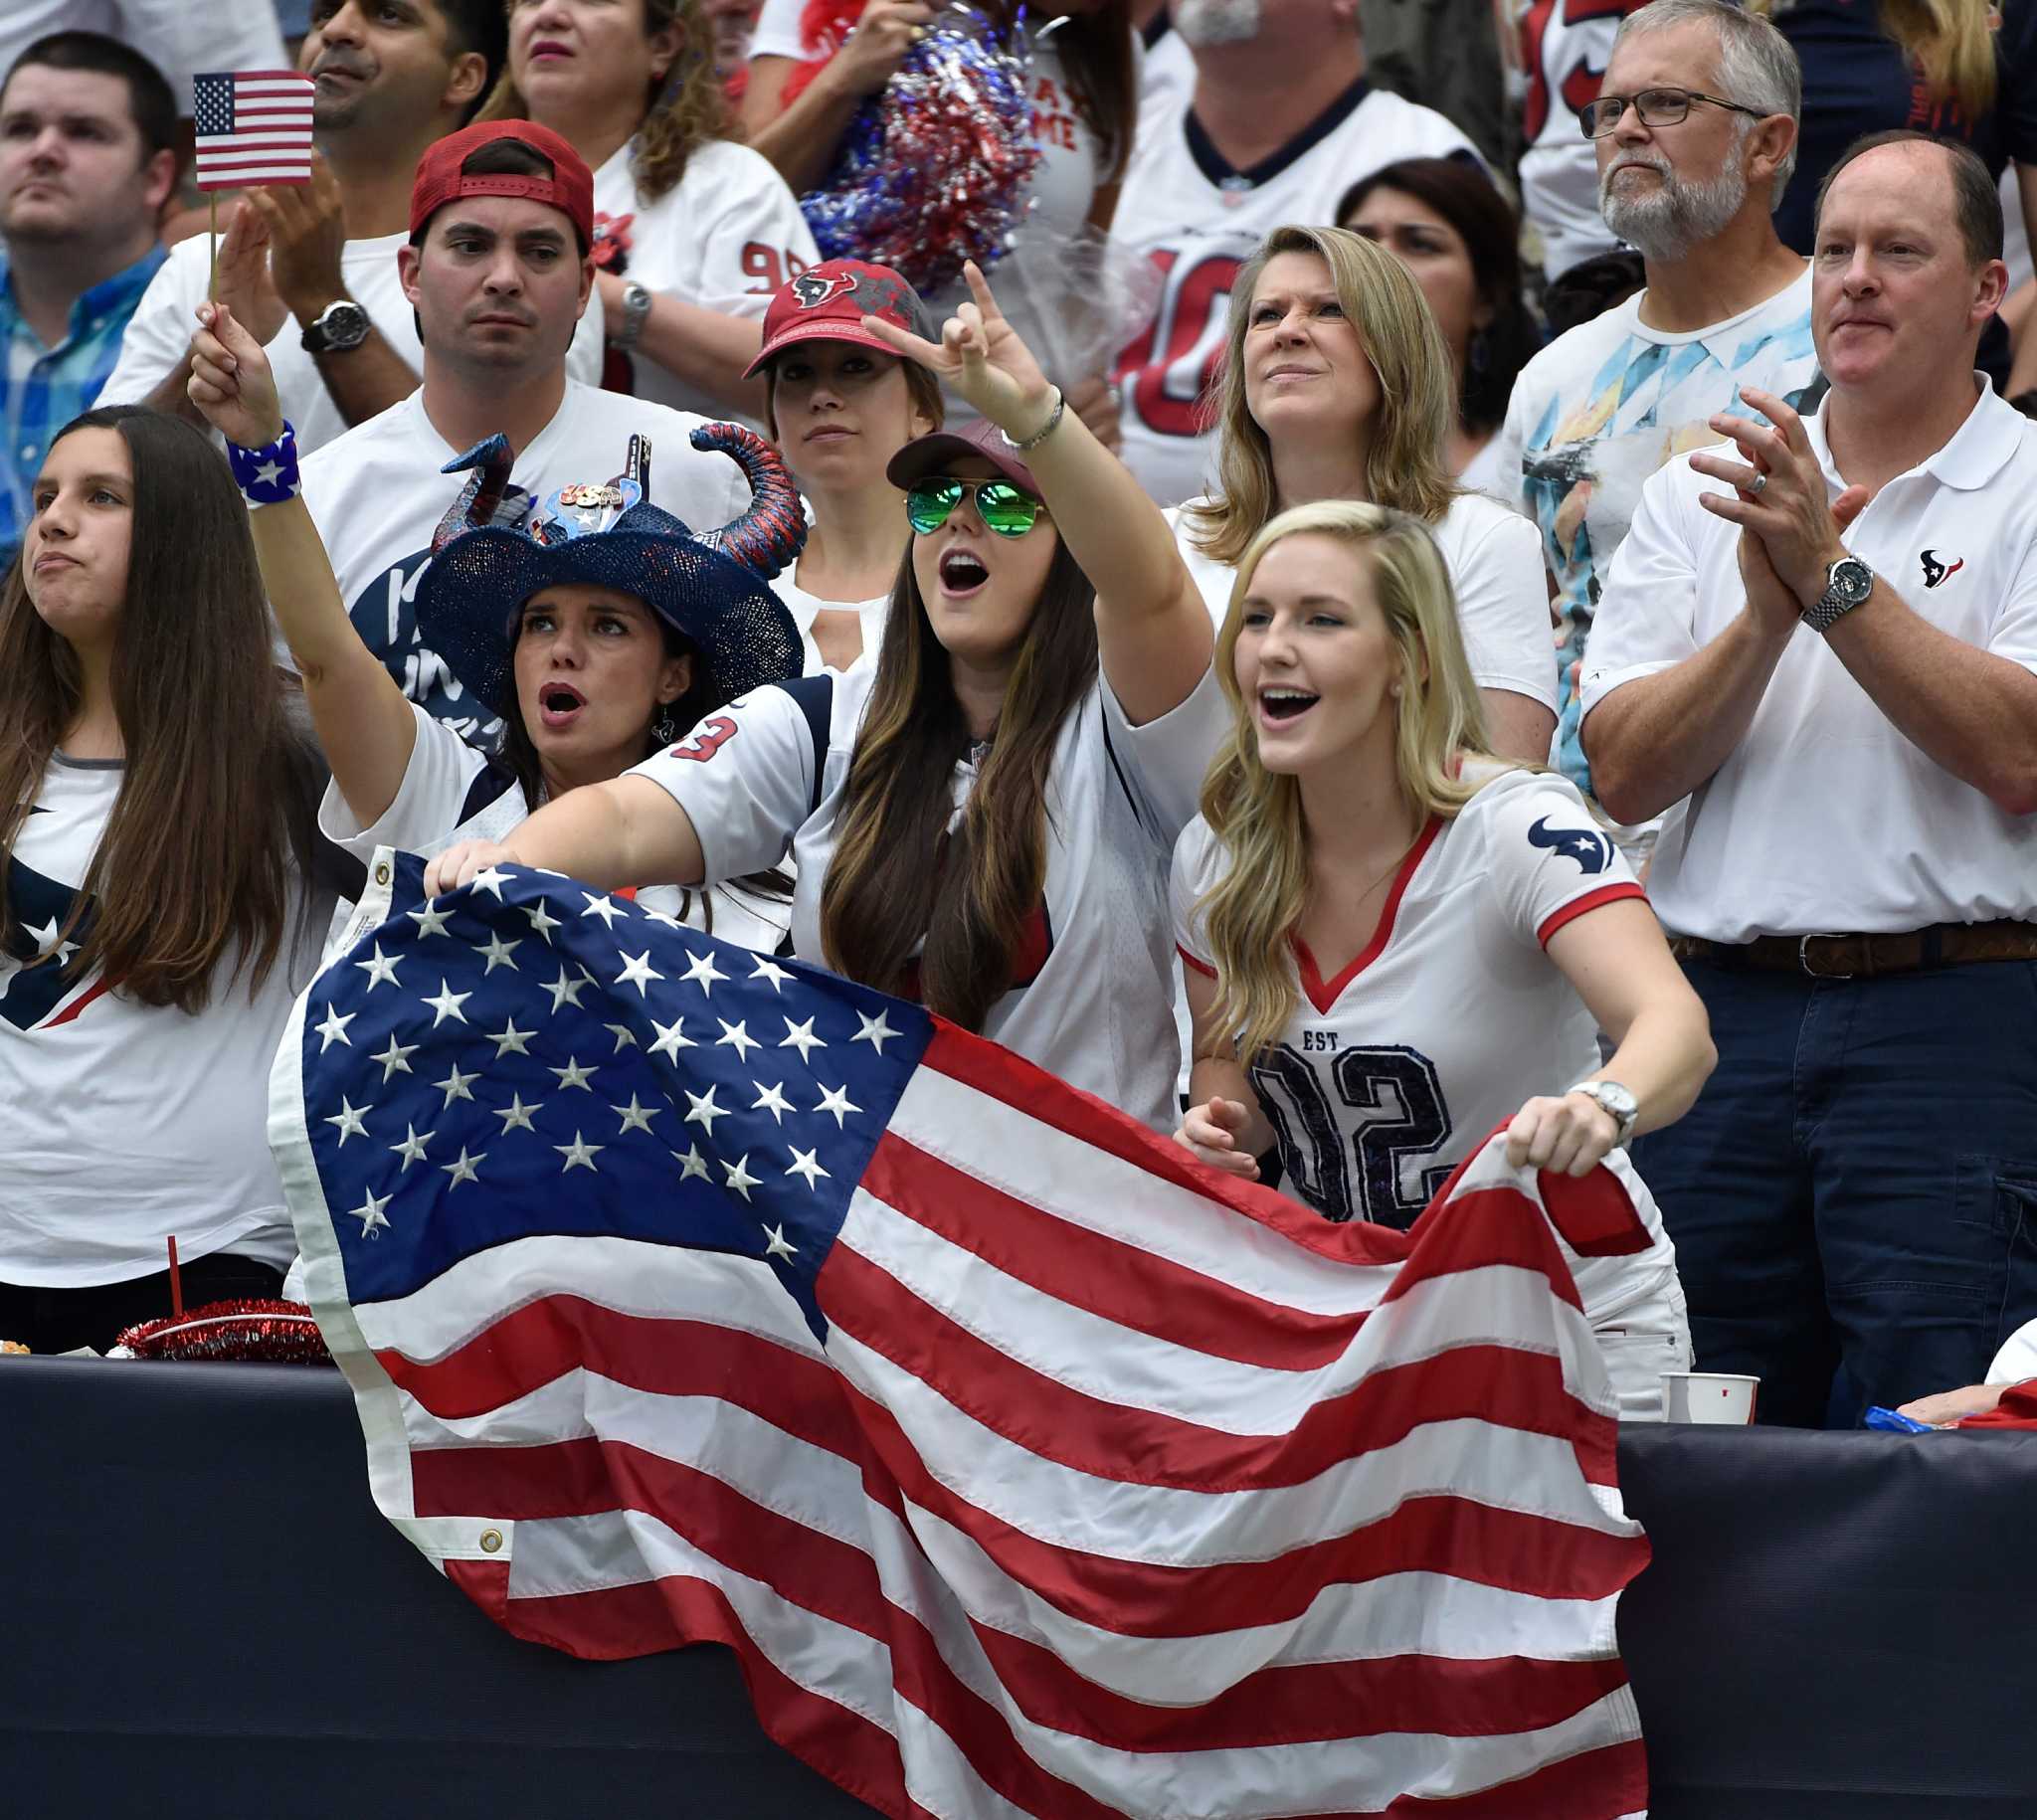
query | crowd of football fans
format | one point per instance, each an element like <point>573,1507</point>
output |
<point>1466,562</point>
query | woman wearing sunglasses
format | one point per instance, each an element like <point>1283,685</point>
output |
<point>986,821</point>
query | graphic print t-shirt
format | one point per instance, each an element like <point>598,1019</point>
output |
<point>122,1124</point>
<point>1601,409</point>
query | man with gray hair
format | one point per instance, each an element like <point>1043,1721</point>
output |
<point>1695,126</point>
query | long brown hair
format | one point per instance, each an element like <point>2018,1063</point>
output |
<point>211,826</point>
<point>681,115</point>
<point>897,874</point>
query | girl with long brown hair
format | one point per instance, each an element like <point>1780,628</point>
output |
<point>1396,941</point>
<point>596,627</point>
<point>982,820</point>
<point>155,923</point>
<point>693,233</point>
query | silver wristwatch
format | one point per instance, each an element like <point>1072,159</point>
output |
<point>1616,1102</point>
<point>1848,582</point>
<point>635,307</point>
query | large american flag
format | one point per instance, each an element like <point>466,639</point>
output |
<point>252,127</point>
<point>691,1296</point>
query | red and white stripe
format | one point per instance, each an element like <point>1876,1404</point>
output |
<point>1110,1493</point>
<point>270,140</point>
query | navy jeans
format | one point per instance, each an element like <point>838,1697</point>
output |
<point>1857,1184</point>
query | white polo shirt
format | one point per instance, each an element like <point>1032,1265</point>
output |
<point>1825,817</point>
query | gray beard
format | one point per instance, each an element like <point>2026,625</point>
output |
<point>1205,23</point>
<point>1664,226</point>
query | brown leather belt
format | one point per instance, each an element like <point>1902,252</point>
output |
<point>1864,956</point>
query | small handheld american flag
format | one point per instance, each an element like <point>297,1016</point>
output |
<point>253,127</point>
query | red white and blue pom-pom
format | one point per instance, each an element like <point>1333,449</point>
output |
<point>933,170</point>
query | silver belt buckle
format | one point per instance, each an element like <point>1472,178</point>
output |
<point>1803,954</point>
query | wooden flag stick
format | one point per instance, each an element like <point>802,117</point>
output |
<point>212,280</point>
<point>176,1283</point>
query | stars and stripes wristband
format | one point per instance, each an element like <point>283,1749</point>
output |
<point>267,475</point>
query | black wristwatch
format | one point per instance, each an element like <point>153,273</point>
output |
<point>341,324</point>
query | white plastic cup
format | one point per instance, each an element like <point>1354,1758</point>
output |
<point>1708,1397</point>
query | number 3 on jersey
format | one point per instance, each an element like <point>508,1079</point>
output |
<point>1164,373</point>
<point>1394,1104</point>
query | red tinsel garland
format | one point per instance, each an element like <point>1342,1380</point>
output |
<point>257,1332</point>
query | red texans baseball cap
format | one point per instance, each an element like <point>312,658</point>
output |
<point>440,180</point>
<point>829,302</point>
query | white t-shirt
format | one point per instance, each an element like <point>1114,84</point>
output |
<point>449,791</point>
<point>727,236</point>
<point>377,494</point>
<point>1825,817</point>
<point>1199,222</point>
<point>1502,604</point>
<point>123,1125</point>
<point>1395,1068</point>
<point>805,608</point>
<point>160,336</point>
<point>1092,1003</point>
<point>1601,409</point>
<point>179,37</point>
<point>1564,47</point>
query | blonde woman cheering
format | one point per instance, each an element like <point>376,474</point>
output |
<point>1396,942</point>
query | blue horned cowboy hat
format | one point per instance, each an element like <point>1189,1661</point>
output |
<point>497,546</point>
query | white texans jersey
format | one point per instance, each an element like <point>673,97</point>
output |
<point>1565,45</point>
<point>452,792</point>
<point>1092,988</point>
<point>1199,221</point>
<point>1402,1060</point>
<point>727,236</point>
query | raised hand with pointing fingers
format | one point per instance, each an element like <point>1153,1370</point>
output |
<point>982,357</point>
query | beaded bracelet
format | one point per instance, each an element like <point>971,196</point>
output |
<point>267,475</point>
<point>1045,429</point>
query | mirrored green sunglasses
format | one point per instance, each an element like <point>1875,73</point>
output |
<point>1008,510</point>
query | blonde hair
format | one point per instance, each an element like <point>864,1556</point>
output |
<point>681,113</point>
<point>1947,40</point>
<point>1251,912</point>
<point>1404,464</point>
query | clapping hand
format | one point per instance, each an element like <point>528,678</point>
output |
<point>1780,502</point>
<point>230,381</point>
<point>981,356</point>
<point>244,284</point>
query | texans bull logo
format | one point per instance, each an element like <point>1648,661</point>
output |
<point>1587,846</point>
<point>811,290</point>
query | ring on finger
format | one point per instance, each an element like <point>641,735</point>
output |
<point>1756,483</point>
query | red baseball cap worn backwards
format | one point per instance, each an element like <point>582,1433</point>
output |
<point>440,180</point>
<point>829,302</point>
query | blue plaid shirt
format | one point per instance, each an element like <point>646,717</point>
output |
<point>42,389</point>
